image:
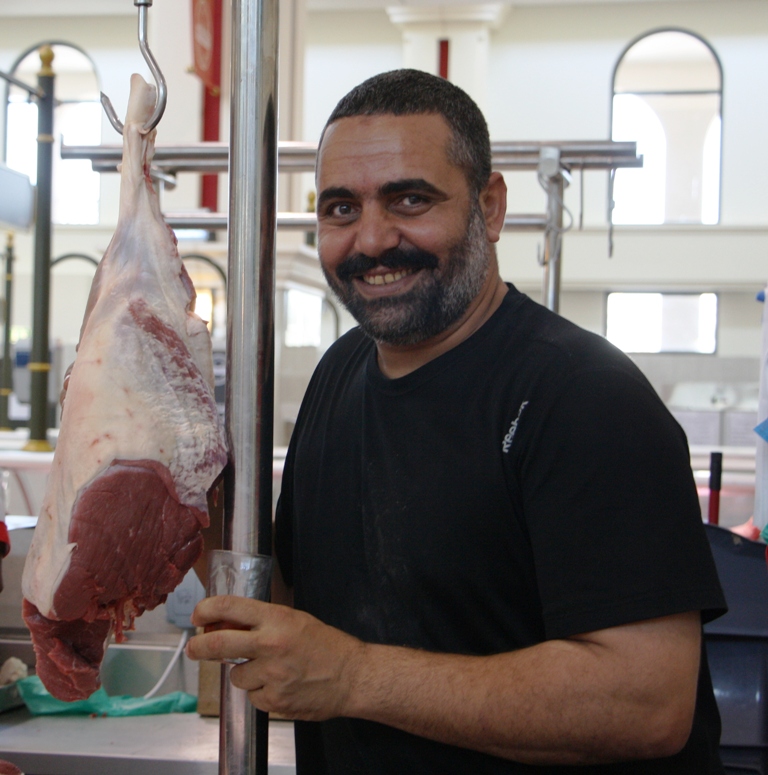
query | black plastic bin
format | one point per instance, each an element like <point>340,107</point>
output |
<point>737,649</point>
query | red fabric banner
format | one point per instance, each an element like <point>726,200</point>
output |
<point>206,42</point>
<point>442,58</point>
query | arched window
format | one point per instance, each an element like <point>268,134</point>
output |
<point>77,120</point>
<point>677,78</point>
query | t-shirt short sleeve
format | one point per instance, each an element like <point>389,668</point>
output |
<point>284,524</point>
<point>612,510</point>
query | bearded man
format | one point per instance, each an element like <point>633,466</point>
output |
<point>487,515</point>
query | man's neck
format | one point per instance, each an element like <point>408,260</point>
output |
<point>397,361</point>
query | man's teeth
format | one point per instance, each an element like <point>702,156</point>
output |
<point>385,279</point>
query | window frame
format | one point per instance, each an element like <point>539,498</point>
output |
<point>664,292</point>
<point>612,173</point>
<point>7,92</point>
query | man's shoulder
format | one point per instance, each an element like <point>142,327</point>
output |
<point>350,342</point>
<point>548,340</point>
<point>345,358</point>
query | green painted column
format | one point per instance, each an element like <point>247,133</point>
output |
<point>6,377</point>
<point>40,360</point>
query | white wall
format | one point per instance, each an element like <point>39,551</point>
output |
<point>344,49</point>
<point>551,68</point>
<point>550,78</point>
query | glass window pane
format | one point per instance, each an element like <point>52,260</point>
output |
<point>77,119</point>
<point>303,319</point>
<point>634,321</point>
<point>710,173</point>
<point>639,193</point>
<point>662,322</point>
<point>21,136</point>
<point>686,119</point>
<point>76,186</point>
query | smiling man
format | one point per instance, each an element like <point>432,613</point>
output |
<point>487,515</point>
<point>409,257</point>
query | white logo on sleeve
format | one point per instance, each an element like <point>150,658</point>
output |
<point>507,443</point>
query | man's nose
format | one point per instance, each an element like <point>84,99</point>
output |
<point>376,232</point>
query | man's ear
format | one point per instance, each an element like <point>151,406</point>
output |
<point>493,203</point>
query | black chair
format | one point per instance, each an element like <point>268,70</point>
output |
<point>737,649</point>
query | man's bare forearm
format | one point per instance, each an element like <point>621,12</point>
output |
<point>577,701</point>
<point>623,693</point>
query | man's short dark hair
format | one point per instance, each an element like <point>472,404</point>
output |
<point>411,92</point>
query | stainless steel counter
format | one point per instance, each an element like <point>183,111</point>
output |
<point>169,744</point>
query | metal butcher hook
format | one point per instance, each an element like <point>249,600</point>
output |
<point>162,89</point>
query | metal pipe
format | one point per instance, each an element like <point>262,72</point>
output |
<point>250,334</point>
<point>300,157</point>
<point>33,90</point>
<point>6,385</point>
<point>218,221</point>
<point>553,179</point>
<point>308,221</point>
<point>168,180</point>
<point>305,152</point>
<point>40,359</point>
<point>565,147</point>
<point>553,243</point>
<point>526,222</point>
<point>715,483</point>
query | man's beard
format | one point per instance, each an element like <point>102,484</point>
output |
<point>441,296</point>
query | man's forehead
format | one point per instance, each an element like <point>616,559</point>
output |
<point>388,141</point>
<point>411,120</point>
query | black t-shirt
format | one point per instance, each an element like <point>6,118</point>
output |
<point>526,485</point>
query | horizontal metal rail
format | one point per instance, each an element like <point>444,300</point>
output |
<point>308,222</point>
<point>300,157</point>
<point>168,179</point>
<point>33,90</point>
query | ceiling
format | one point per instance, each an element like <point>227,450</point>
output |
<point>127,8</point>
<point>67,8</point>
<point>373,4</point>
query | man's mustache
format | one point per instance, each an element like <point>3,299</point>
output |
<point>395,258</point>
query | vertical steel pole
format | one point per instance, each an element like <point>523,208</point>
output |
<point>40,361</point>
<point>6,379</point>
<point>250,334</point>
<point>553,179</point>
<point>553,241</point>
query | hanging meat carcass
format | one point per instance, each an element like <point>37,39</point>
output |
<point>140,442</point>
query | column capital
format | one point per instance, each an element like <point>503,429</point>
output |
<point>489,14</point>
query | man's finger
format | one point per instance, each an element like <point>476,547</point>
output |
<point>223,645</point>
<point>229,608</point>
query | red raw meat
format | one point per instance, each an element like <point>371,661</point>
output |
<point>140,442</point>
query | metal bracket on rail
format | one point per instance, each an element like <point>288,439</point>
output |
<point>162,89</point>
<point>553,178</point>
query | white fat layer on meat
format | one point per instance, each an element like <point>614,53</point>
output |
<point>126,399</point>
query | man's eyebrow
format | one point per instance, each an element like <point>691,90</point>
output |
<point>409,184</point>
<point>388,189</point>
<point>335,192</point>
